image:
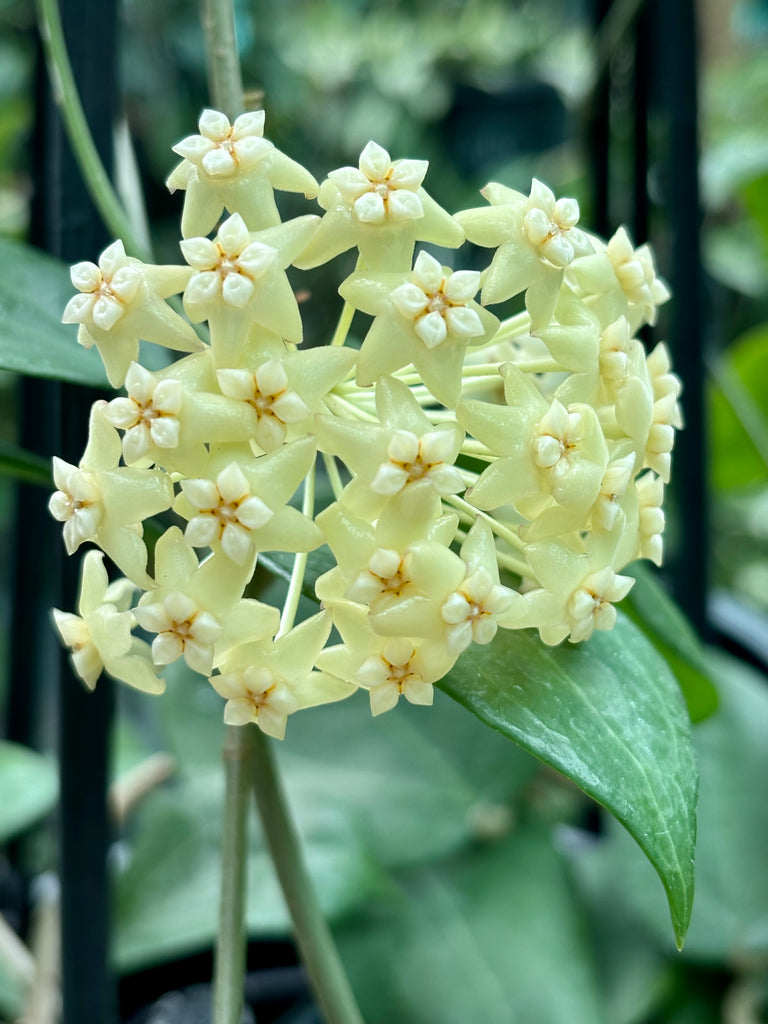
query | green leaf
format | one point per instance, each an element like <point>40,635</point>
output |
<point>28,788</point>
<point>608,714</point>
<point>652,609</point>
<point>25,466</point>
<point>34,288</point>
<point>494,935</point>
<point>729,924</point>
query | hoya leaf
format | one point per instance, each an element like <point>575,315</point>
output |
<point>28,788</point>
<point>608,715</point>
<point>27,467</point>
<point>34,288</point>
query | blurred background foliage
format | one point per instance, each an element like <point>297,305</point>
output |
<point>468,883</point>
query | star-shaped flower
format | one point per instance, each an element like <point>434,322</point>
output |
<point>267,680</point>
<point>578,587</point>
<point>232,166</point>
<point>427,317</point>
<point>406,450</point>
<point>99,637</point>
<point>537,239</point>
<point>372,559</point>
<point>283,389</point>
<point>547,452</point>
<point>240,506</point>
<point>388,667</point>
<point>240,281</point>
<point>381,208</point>
<point>121,301</point>
<point>619,280</point>
<point>103,502</point>
<point>196,610</point>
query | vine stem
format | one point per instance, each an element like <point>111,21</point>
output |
<point>225,81</point>
<point>67,98</point>
<point>229,973</point>
<point>326,973</point>
<point>251,749</point>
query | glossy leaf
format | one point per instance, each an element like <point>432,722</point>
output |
<point>730,915</point>
<point>608,715</point>
<point>34,288</point>
<point>28,788</point>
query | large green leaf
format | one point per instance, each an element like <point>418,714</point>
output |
<point>730,918</point>
<point>28,788</point>
<point>653,610</point>
<point>494,935</point>
<point>608,714</point>
<point>34,288</point>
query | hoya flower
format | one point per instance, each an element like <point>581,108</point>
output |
<point>388,667</point>
<point>573,337</point>
<point>149,415</point>
<point>427,318</point>
<point>240,280</point>
<point>578,588</point>
<point>99,638</point>
<point>547,452</point>
<point>240,506</point>
<point>266,680</point>
<point>620,280</point>
<point>464,600</point>
<point>233,166</point>
<point>535,237</point>
<point>651,521</point>
<point>406,450</point>
<point>121,301</point>
<point>663,381</point>
<point>195,610</point>
<point>661,437</point>
<point>381,208</point>
<point>182,628</point>
<point>372,560</point>
<point>284,389</point>
<point>103,502</point>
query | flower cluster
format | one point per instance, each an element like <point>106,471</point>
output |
<point>484,474</point>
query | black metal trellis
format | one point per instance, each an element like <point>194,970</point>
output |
<point>66,224</point>
<point>666,209</point>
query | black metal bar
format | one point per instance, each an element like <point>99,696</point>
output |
<point>674,35</point>
<point>67,225</point>
<point>599,137</point>
<point>642,61</point>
